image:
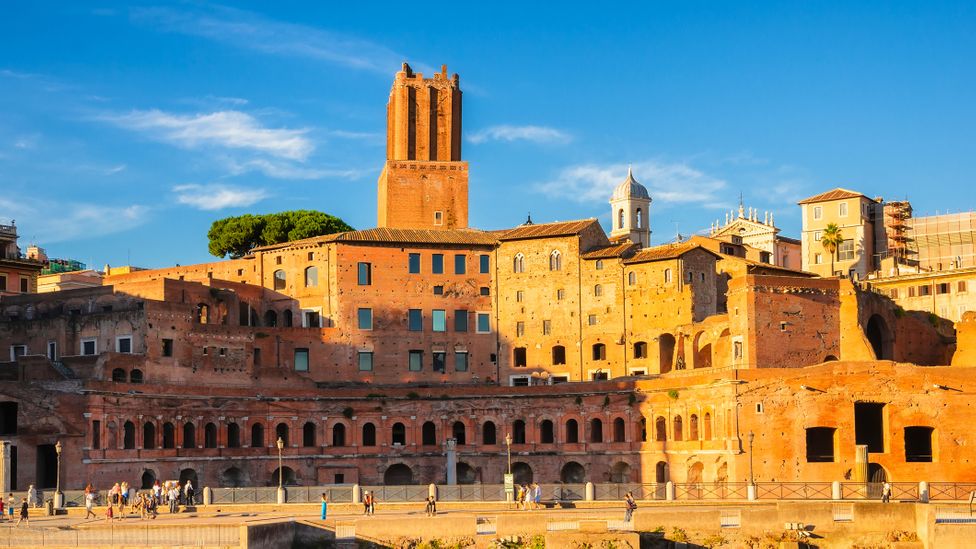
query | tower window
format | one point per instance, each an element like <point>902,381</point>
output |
<point>438,218</point>
<point>555,261</point>
<point>639,218</point>
<point>620,219</point>
<point>518,263</point>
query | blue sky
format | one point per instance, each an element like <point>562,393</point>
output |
<point>125,130</point>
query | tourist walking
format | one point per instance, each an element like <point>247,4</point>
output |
<point>174,498</point>
<point>325,504</point>
<point>366,498</point>
<point>24,513</point>
<point>125,494</point>
<point>11,505</point>
<point>886,492</point>
<point>157,492</point>
<point>372,503</point>
<point>431,509</point>
<point>630,505</point>
<point>32,497</point>
<point>188,492</point>
<point>537,496</point>
<point>90,503</point>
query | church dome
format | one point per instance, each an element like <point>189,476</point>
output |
<point>630,188</point>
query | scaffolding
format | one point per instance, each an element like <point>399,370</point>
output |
<point>897,217</point>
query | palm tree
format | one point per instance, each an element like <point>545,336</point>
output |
<point>830,240</point>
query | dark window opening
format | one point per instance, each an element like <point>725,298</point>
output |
<point>129,436</point>
<point>619,430</point>
<point>572,431</point>
<point>167,347</point>
<point>210,436</point>
<point>8,418</point>
<point>308,434</point>
<point>596,430</point>
<point>458,432</point>
<point>518,432</point>
<point>369,435</point>
<point>519,358</point>
<point>546,432</point>
<point>189,436</point>
<point>96,434</point>
<point>869,425</point>
<point>820,444</point>
<point>918,444</point>
<point>257,435</point>
<point>429,434</point>
<point>233,435</point>
<point>169,435</point>
<point>281,433</point>
<point>399,434</point>
<point>558,355</point>
<point>488,436</point>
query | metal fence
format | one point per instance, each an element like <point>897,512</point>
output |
<point>951,490</point>
<point>128,535</point>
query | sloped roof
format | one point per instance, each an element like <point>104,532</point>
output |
<point>623,249</point>
<point>835,194</point>
<point>667,251</point>
<point>398,236</point>
<point>547,230</point>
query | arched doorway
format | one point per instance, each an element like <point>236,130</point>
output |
<point>666,344</point>
<point>232,477</point>
<point>880,337</point>
<point>620,472</point>
<point>47,466</point>
<point>148,479</point>
<point>270,318</point>
<point>398,475</point>
<point>189,475</point>
<point>288,477</point>
<point>661,477</point>
<point>522,473</point>
<point>466,474</point>
<point>572,473</point>
<point>877,476</point>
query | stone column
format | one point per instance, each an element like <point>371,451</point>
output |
<point>836,490</point>
<point>923,492</point>
<point>860,463</point>
<point>669,491</point>
<point>5,480</point>
<point>590,492</point>
<point>357,494</point>
<point>451,446</point>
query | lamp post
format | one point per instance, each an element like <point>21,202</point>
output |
<point>508,445</point>
<point>509,481</point>
<point>752,479</point>
<point>281,473</point>
<point>58,496</point>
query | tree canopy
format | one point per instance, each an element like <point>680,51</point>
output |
<point>237,235</point>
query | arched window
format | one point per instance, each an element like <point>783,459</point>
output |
<point>693,427</point>
<point>597,290</point>
<point>667,275</point>
<point>640,218</point>
<point>558,355</point>
<point>135,376</point>
<point>488,436</point>
<point>308,434</point>
<point>620,219</point>
<point>619,430</point>
<point>270,318</point>
<point>202,313</point>
<point>631,278</point>
<point>210,436</point>
<point>518,432</point>
<point>660,429</point>
<point>281,431</point>
<point>428,435</point>
<point>311,277</point>
<point>518,263</point>
<point>572,431</point>
<point>279,279</point>
<point>399,434</point>
<point>118,375</point>
<point>555,261</point>
<point>599,351</point>
<point>189,435</point>
<point>596,430</point>
<point>546,435</point>
<point>257,435</point>
<point>707,426</point>
<point>339,435</point>
<point>457,431</point>
<point>369,435</point>
<point>169,435</point>
<point>643,429</point>
<point>640,349</point>
<point>677,428</point>
<point>287,318</point>
<point>233,435</point>
<point>149,436</point>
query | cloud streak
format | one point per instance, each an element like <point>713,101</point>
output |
<point>251,31</point>
<point>227,129</point>
<point>74,221</point>
<point>217,196</point>
<point>507,133</point>
<point>667,182</point>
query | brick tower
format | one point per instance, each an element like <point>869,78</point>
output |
<point>424,184</point>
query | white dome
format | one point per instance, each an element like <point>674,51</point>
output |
<point>630,188</point>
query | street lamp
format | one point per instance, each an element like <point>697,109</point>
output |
<point>281,473</point>
<point>752,479</point>
<point>58,496</point>
<point>508,444</point>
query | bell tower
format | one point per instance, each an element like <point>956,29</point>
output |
<point>424,183</point>
<point>630,210</point>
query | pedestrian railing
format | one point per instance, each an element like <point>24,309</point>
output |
<point>471,492</point>
<point>244,495</point>
<point>951,490</point>
<point>793,490</point>
<point>725,490</point>
<point>398,493</point>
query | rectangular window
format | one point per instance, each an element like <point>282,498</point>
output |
<point>599,375</point>
<point>484,323</point>
<point>520,381</point>
<point>460,320</point>
<point>365,361</point>
<point>440,358</point>
<point>519,358</point>
<point>415,319</point>
<point>591,320</point>
<point>460,264</point>
<point>89,346</point>
<point>519,296</point>
<point>365,274</point>
<point>311,319</point>
<point>924,290</point>
<point>24,284</point>
<point>911,291</point>
<point>519,329</point>
<point>416,363</point>
<point>301,360</point>
<point>365,316</point>
<point>438,218</point>
<point>123,344</point>
<point>484,262</point>
<point>560,294</point>
<point>461,361</point>
<point>96,434</point>
<point>3,283</point>
<point>817,212</point>
<point>816,236</point>
<point>893,293</point>
<point>438,290</point>
<point>437,264</point>
<point>439,320</point>
<point>167,347</point>
<point>869,425</point>
<point>961,286</point>
<point>546,327</point>
<point>817,259</point>
<point>17,351</point>
<point>820,444</point>
<point>942,288</point>
<point>414,264</point>
<point>842,209</point>
<point>52,350</point>
<point>485,290</point>
<point>554,380</point>
<point>845,251</point>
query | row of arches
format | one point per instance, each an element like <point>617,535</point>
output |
<point>119,375</point>
<point>555,262</point>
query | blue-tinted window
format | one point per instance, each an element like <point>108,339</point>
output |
<point>439,317</point>
<point>416,361</point>
<point>440,358</point>
<point>437,263</point>
<point>365,274</point>
<point>365,361</point>
<point>461,361</point>
<point>484,323</point>
<point>301,360</point>
<point>485,263</point>
<point>414,263</point>
<point>460,264</point>
<point>415,319</point>
<point>365,319</point>
<point>461,321</point>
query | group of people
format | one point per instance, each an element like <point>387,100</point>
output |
<point>121,499</point>
<point>11,505</point>
<point>528,496</point>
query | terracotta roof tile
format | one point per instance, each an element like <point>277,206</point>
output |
<point>623,249</point>
<point>398,236</point>
<point>546,230</point>
<point>834,194</point>
<point>667,251</point>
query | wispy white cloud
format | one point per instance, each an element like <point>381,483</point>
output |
<point>667,182</point>
<point>74,220</point>
<point>27,142</point>
<point>217,196</point>
<point>112,170</point>
<point>287,170</point>
<point>251,31</point>
<point>535,134</point>
<point>227,129</point>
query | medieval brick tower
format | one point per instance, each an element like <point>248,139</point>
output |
<point>424,184</point>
